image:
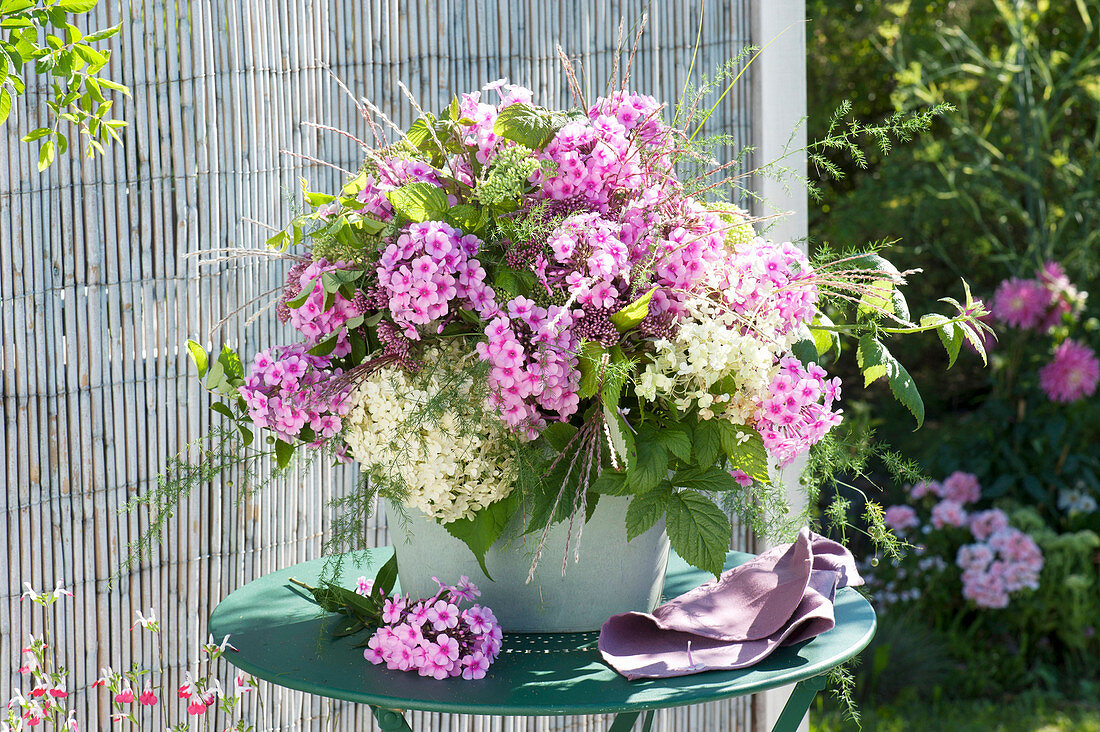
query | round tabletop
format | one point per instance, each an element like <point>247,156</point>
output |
<point>284,638</point>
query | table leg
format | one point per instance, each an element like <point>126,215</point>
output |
<point>390,720</point>
<point>798,704</point>
<point>624,722</point>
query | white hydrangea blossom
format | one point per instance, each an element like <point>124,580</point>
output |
<point>453,464</point>
<point>717,350</point>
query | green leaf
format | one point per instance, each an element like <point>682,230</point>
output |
<point>651,465</point>
<point>114,85</point>
<point>216,376</point>
<point>470,219</point>
<point>634,313</point>
<point>885,295</point>
<point>589,365</point>
<point>558,434</point>
<point>198,355</point>
<point>487,525</point>
<point>644,511</point>
<point>711,479</point>
<point>698,531</point>
<point>805,351</point>
<point>530,126</point>
<point>950,337</point>
<point>76,6</point>
<point>619,436</point>
<point>745,449</point>
<point>101,35</point>
<point>284,451</point>
<point>229,359</point>
<point>5,105</point>
<point>246,434</point>
<point>876,362</point>
<point>387,576</point>
<point>46,155</point>
<point>825,340</point>
<point>676,438</point>
<point>708,441</point>
<point>419,201</point>
<point>223,410</point>
<point>610,482</point>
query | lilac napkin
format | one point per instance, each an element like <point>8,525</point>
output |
<point>781,597</point>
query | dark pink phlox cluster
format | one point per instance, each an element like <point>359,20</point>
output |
<point>772,277</point>
<point>285,391</point>
<point>1039,302</point>
<point>1072,374</point>
<point>311,319</point>
<point>901,518</point>
<point>799,411</point>
<point>435,636</point>
<point>425,269</point>
<point>595,264</point>
<point>985,524</point>
<point>1007,562</point>
<point>483,109</point>
<point>961,487</point>
<point>533,372</point>
<point>639,114</point>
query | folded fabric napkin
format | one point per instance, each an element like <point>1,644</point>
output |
<point>781,597</point>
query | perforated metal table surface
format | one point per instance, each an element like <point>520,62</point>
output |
<point>283,638</point>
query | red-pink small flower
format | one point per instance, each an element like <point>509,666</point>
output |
<point>125,696</point>
<point>147,698</point>
<point>58,692</point>
<point>196,708</point>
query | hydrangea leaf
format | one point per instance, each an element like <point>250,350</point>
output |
<point>644,511</point>
<point>805,351</point>
<point>876,362</point>
<point>589,365</point>
<point>558,434</point>
<point>825,339</point>
<point>651,464</point>
<point>486,526</point>
<point>698,530</point>
<point>712,479</point>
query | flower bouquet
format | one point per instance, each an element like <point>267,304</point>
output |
<point>513,313</point>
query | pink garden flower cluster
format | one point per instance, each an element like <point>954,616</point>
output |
<point>1000,561</point>
<point>312,318</point>
<point>287,390</point>
<point>1037,303</point>
<point>1040,304</point>
<point>435,636</point>
<point>1003,561</point>
<point>799,411</point>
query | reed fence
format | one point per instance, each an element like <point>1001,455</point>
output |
<point>97,296</point>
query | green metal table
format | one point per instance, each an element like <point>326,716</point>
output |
<point>283,638</point>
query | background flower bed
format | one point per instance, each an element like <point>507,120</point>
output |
<point>1005,185</point>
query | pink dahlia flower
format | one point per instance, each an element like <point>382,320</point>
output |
<point>1021,303</point>
<point>1072,374</point>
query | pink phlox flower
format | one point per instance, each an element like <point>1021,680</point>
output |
<point>742,478</point>
<point>418,614</point>
<point>948,513</point>
<point>443,615</point>
<point>984,524</point>
<point>1072,374</point>
<point>408,634</point>
<point>925,488</point>
<point>901,518</point>
<point>392,609</point>
<point>364,586</point>
<point>961,487</point>
<point>448,646</point>
<point>479,619</point>
<point>474,666</point>
<point>466,590</point>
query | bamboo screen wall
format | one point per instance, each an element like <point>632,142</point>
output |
<point>98,297</point>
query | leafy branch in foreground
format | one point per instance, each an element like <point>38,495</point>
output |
<point>74,67</point>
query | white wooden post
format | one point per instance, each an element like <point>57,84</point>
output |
<point>779,111</point>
